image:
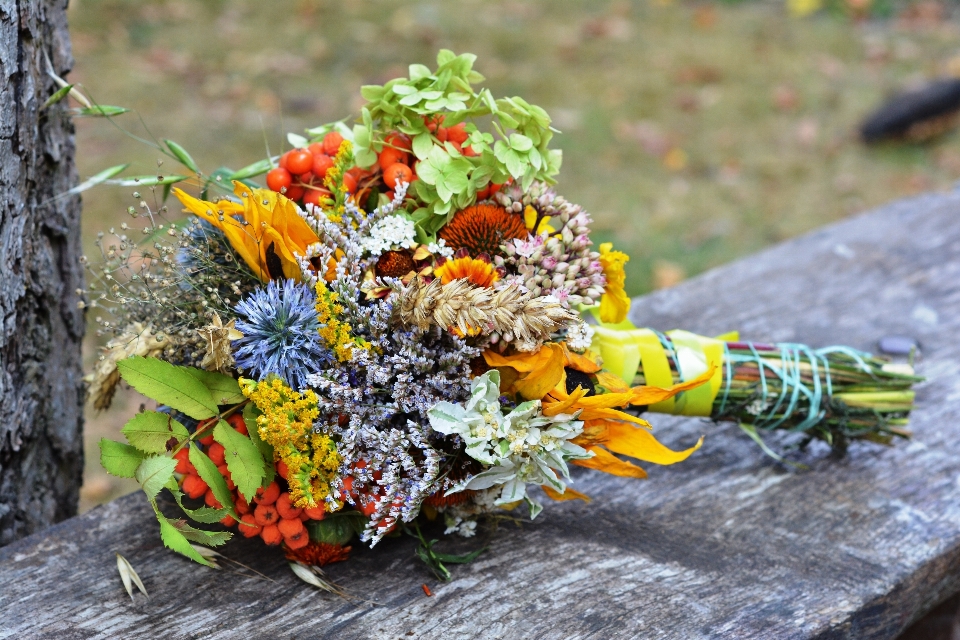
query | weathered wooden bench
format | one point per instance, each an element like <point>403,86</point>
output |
<point>729,544</point>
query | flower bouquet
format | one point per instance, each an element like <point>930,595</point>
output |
<point>394,329</point>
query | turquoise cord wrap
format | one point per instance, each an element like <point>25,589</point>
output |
<point>793,390</point>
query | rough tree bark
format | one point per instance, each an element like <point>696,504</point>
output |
<point>41,326</point>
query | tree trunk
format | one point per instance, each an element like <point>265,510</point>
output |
<point>41,324</point>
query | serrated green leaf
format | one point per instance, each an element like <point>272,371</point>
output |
<point>169,385</point>
<point>154,472</point>
<point>150,431</point>
<point>99,111</point>
<point>255,169</point>
<point>208,473</point>
<point>244,461</point>
<point>209,538</point>
<point>223,389</point>
<point>174,540</point>
<point>119,459</point>
<point>206,515</point>
<point>250,413</point>
<point>60,94</point>
<point>181,154</point>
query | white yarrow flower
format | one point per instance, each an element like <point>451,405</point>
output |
<point>391,232</point>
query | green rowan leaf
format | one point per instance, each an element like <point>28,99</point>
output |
<point>244,461</point>
<point>223,388</point>
<point>209,538</point>
<point>250,413</point>
<point>168,384</point>
<point>149,181</point>
<point>119,459</point>
<point>154,472</point>
<point>150,431</point>
<point>173,539</point>
<point>209,473</point>
<point>206,515</point>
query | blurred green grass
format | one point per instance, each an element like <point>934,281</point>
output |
<point>694,132</point>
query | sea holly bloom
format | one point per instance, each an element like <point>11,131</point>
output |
<point>523,447</point>
<point>615,303</point>
<point>265,229</point>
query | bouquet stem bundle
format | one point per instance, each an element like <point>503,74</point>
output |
<point>835,394</point>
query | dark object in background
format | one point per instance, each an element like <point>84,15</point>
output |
<point>916,116</point>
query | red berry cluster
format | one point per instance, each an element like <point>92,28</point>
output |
<point>302,171</point>
<point>273,515</point>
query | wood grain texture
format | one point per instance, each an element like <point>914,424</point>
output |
<point>41,327</point>
<point>726,545</point>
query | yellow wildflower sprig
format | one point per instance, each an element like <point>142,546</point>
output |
<point>334,180</point>
<point>286,423</point>
<point>334,332</point>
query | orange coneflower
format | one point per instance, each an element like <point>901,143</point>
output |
<point>395,264</point>
<point>318,554</point>
<point>477,270</point>
<point>482,228</point>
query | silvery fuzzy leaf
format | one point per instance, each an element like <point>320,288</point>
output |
<point>512,491</point>
<point>492,477</point>
<point>534,506</point>
<point>128,576</point>
<point>447,418</point>
<point>487,387</point>
<point>478,451</point>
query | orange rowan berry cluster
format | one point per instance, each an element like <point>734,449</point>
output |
<point>272,516</point>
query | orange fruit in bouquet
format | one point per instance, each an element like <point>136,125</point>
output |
<point>279,179</point>
<point>299,161</point>
<point>331,143</point>
<point>397,173</point>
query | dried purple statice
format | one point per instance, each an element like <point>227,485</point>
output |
<point>387,391</point>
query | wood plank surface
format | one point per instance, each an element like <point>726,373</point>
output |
<point>726,545</point>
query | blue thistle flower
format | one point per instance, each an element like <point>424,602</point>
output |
<point>280,333</point>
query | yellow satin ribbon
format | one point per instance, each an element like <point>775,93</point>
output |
<point>624,348</point>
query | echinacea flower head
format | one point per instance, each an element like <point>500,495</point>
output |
<point>483,228</point>
<point>280,333</point>
<point>265,229</point>
<point>614,303</point>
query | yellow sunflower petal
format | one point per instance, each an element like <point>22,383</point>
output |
<point>605,461</point>
<point>568,494</point>
<point>628,440</point>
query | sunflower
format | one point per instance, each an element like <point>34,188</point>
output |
<point>479,271</point>
<point>614,303</point>
<point>483,228</point>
